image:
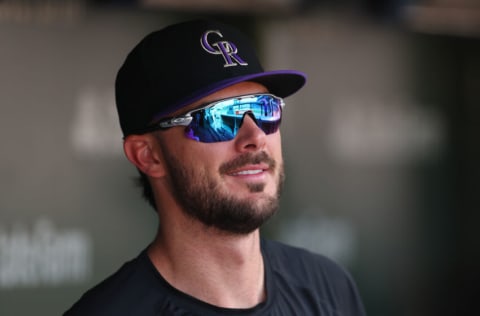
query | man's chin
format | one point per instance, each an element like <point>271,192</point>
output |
<point>241,216</point>
<point>242,228</point>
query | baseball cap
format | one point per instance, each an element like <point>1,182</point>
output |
<point>182,63</point>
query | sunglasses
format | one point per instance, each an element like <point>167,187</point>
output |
<point>220,120</point>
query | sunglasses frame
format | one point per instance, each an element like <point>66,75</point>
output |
<point>186,119</point>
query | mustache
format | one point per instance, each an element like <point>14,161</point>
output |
<point>248,158</point>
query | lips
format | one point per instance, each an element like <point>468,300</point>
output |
<point>248,164</point>
<point>246,172</point>
<point>249,170</point>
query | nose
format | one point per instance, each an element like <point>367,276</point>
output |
<point>250,137</point>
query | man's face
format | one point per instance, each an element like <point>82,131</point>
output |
<point>233,186</point>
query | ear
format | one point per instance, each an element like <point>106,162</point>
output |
<point>143,151</point>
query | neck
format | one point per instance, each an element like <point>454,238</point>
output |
<point>216,267</point>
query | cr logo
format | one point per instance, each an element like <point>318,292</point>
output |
<point>227,49</point>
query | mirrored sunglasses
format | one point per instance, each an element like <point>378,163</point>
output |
<point>221,120</point>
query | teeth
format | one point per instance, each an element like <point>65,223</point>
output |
<point>247,172</point>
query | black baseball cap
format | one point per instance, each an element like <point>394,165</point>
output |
<point>182,63</point>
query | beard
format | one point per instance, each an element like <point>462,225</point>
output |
<point>203,199</point>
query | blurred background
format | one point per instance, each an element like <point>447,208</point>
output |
<point>381,146</point>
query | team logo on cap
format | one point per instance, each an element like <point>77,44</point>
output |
<point>227,49</point>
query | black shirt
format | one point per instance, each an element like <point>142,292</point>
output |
<point>298,282</point>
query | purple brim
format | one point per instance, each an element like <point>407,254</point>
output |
<point>281,83</point>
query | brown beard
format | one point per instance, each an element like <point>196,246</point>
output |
<point>202,199</point>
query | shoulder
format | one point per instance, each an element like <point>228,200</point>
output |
<point>297,270</point>
<point>116,294</point>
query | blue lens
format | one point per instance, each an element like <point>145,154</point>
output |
<point>221,120</point>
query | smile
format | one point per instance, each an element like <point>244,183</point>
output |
<point>247,172</point>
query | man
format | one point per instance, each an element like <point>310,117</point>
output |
<point>201,120</point>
